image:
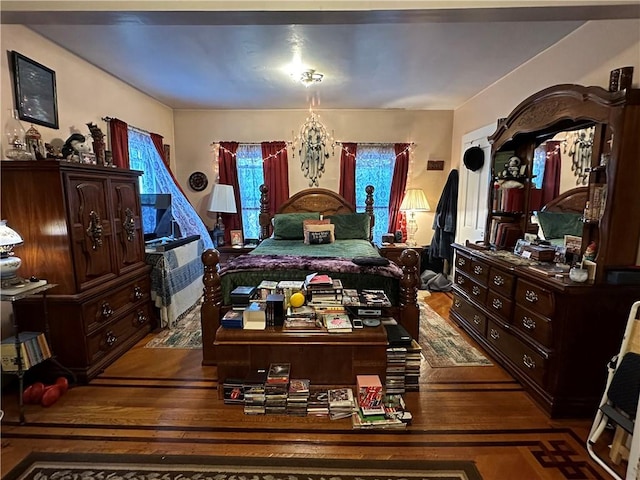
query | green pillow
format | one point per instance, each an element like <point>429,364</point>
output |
<point>558,224</point>
<point>351,226</point>
<point>288,226</point>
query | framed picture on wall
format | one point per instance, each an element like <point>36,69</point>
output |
<point>34,87</point>
<point>236,238</point>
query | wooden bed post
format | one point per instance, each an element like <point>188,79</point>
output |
<point>409,309</point>
<point>265,217</point>
<point>211,303</point>
<point>368,202</point>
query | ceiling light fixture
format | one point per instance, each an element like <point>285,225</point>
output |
<point>309,77</point>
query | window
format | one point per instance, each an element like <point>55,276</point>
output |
<point>539,162</point>
<point>374,166</point>
<point>250,177</point>
<point>144,156</point>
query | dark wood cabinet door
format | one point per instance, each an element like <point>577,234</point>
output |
<point>90,227</point>
<point>127,224</point>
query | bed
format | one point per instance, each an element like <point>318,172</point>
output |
<point>282,258</point>
<point>563,215</point>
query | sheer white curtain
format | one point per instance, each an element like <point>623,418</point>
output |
<point>156,179</point>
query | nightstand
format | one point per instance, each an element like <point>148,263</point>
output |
<point>227,252</point>
<point>394,250</point>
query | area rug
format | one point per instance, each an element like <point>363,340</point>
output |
<point>443,346</point>
<point>52,466</point>
<point>187,333</point>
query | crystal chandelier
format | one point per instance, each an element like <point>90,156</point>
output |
<point>313,150</point>
<point>309,77</point>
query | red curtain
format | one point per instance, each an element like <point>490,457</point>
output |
<point>348,172</point>
<point>229,176</point>
<point>551,178</point>
<point>398,184</point>
<point>158,143</point>
<point>276,173</point>
<point>119,134</point>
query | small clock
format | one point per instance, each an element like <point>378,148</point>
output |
<point>198,181</point>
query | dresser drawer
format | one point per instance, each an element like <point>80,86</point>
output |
<point>499,304</point>
<point>472,316</point>
<point>479,271</point>
<point>111,337</point>
<point>535,298</point>
<point>463,262</point>
<point>533,325</point>
<point>501,281</point>
<point>531,363</point>
<point>114,303</point>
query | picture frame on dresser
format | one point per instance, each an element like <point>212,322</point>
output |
<point>236,238</point>
<point>34,87</point>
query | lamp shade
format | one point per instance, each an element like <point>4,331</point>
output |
<point>222,199</point>
<point>415,201</point>
<point>9,238</point>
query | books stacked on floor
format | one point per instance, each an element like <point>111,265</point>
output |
<point>394,407</point>
<point>266,288</point>
<point>341,403</point>
<point>232,319</point>
<point>338,323</point>
<point>254,397</point>
<point>233,390</point>
<point>33,350</point>
<point>323,290</point>
<point>254,316</point>
<point>242,296</point>
<point>369,389</point>
<point>371,411</point>
<point>412,367</point>
<point>276,388</point>
<point>396,370</point>
<point>298,397</point>
<point>318,403</point>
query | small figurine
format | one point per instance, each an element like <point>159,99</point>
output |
<point>98,143</point>
<point>72,147</point>
<point>591,252</point>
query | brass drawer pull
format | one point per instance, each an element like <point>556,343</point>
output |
<point>475,290</point>
<point>528,323</point>
<point>94,230</point>
<point>137,293</point>
<point>141,318</point>
<point>477,269</point>
<point>129,225</point>
<point>531,296</point>
<point>494,334</point>
<point>528,362</point>
<point>111,338</point>
<point>460,280</point>
<point>476,319</point>
<point>461,261</point>
<point>456,303</point>
<point>497,304</point>
<point>105,310</point>
<point>498,280</point>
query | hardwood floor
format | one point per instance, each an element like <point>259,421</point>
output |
<point>163,401</point>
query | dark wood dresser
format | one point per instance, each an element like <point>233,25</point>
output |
<point>82,230</point>
<point>555,336</point>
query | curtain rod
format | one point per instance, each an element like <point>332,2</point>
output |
<point>141,130</point>
<point>337,141</point>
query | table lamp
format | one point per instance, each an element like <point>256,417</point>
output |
<point>414,201</point>
<point>9,262</point>
<point>222,201</point>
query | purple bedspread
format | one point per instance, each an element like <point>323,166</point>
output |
<point>312,264</point>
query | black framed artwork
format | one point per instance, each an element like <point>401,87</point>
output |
<point>34,87</point>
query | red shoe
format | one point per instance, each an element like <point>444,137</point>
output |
<point>33,393</point>
<point>51,395</point>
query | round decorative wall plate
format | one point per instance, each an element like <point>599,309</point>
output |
<point>198,181</point>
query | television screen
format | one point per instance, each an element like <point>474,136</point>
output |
<point>157,219</point>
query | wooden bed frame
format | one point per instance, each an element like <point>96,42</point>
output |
<point>571,201</point>
<point>326,202</point>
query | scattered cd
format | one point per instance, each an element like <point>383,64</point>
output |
<point>371,322</point>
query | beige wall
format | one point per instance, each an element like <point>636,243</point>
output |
<point>430,130</point>
<point>85,93</point>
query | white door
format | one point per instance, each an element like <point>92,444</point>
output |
<point>473,189</point>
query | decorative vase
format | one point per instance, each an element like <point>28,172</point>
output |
<point>578,274</point>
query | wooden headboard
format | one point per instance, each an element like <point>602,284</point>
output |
<point>571,201</point>
<point>326,202</point>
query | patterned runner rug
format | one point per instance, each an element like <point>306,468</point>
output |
<point>49,466</point>
<point>185,334</point>
<point>442,345</point>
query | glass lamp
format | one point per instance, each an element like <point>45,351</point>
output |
<point>15,148</point>
<point>414,201</point>
<point>9,262</point>
<point>222,201</point>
